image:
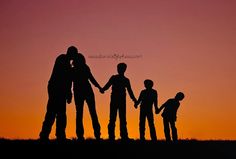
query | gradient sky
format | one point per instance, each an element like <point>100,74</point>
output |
<point>183,45</point>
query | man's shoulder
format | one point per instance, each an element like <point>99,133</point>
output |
<point>61,57</point>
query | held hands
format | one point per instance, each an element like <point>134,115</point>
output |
<point>136,104</point>
<point>101,90</point>
<point>157,111</point>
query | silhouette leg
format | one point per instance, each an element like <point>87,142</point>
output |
<point>151,126</point>
<point>166,129</point>
<point>61,120</point>
<point>123,123</point>
<point>174,131</point>
<point>48,121</point>
<point>111,125</point>
<point>142,124</point>
<point>79,118</point>
<point>92,110</point>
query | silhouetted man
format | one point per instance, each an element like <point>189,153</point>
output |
<point>119,85</point>
<point>59,92</point>
<point>147,98</point>
<point>83,91</point>
<point>169,116</point>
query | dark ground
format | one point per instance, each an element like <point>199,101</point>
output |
<point>119,149</point>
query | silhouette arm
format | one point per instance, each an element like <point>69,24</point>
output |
<point>155,101</point>
<point>131,94</point>
<point>56,70</point>
<point>91,78</point>
<point>139,100</point>
<point>69,84</point>
<point>108,84</point>
<point>94,82</point>
<point>163,105</point>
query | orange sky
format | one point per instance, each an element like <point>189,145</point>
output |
<point>181,45</point>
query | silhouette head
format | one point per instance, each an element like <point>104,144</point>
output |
<point>179,96</point>
<point>148,83</point>
<point>121,68</point>
<point>79,60</point>
<point>71,52</point>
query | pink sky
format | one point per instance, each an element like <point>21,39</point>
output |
<point>184,45</point>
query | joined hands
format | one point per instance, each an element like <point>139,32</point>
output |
<point>101,90</point>
<point>136,104</point>
<point>157,111</point>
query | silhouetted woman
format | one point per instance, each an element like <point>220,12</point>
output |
<point>83,91</point>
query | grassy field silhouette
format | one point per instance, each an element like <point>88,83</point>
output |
<point>118,149</point>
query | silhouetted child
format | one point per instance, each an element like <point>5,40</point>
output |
<point>119,85</point>
<point>147,98</point>
<point>169,116</point>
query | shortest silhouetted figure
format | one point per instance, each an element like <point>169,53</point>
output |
<point>147,98</point>
<point>169,116</point>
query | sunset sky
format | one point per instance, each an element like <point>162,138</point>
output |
<point>182,45</point>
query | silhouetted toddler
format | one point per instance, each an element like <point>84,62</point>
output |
<point>169,116</point>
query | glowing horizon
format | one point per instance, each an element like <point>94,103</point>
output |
<point>184,46</point>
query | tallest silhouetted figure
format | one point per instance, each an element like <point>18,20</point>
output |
<point>59,92</point>
<point>119,85</point>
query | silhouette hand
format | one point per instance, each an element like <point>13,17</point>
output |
<point>157,111</point>
<point>136,104</point>
<point>101,90</point>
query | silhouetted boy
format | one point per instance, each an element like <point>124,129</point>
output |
<point>59,92</point>
<point>147,98</point>
<point>169,116</point>
<point>119,85</point>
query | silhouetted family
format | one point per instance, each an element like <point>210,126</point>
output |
<point>78,73</point>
